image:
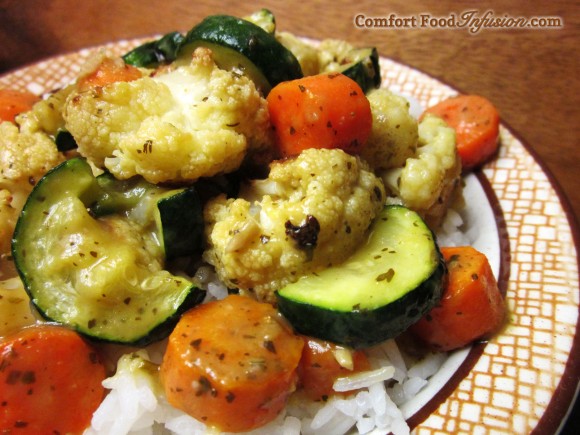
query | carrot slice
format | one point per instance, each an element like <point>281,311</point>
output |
<point>472,306</point>
<point>476,123</point>
<point>231,364</point>
<point>50,381</point>
<point>319,368</point>
<point>107,72</point>
<point>320,111</point>
<point>13,102</point>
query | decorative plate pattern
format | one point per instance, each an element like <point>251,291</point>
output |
<point>514,385</point>
<point>524,379</point>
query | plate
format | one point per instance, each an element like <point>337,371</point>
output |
<point>524,379</point>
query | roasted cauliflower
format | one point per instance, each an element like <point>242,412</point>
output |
<point>429,180</point>
<point>328,56</point>
<point>174,125</point>
<point>331,52</point>
<point>307,54</point>
<point>27,152</point>
<point>394,135</point>
<point>311,212</point>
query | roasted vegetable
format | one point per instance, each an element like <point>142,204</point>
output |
<point>231,364</point>
<point>263,18</point>
<point>320,111</point>
<point>476,123</point>
<point>360,64</point>
<point>13,102</point>
<point>179,125</point>
<point>51,381</point>
<point>245,47</point>
<point>27,151</point>
<point>378,292</point>
<point>395,133</point>
<point>322,363</point>
<point>154,53</point>
<point>15,311</point>
<point>311,211</point>
<point>96,265</point>
<point>428,181</point>
<point>472,306</point>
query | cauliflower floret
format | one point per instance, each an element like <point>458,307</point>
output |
<point>330,52</point>
<point>311,212</point>
<point>175,125</point>
<point>27,152</point>
<point>394,134</point>
<point>306,54</point>
<point>46,115</point>
<point>428,182</point>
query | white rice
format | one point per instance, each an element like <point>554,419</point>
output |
<point>136,404</point>
<point>452,232</point>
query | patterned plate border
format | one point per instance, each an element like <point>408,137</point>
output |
<point>524,380</point>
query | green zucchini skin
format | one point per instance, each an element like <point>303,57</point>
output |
<point>100,275</point>
<point>361,329</point>
<point>179,211</point>
<point>260,48</point>
<point>154,53</point>
<point>182,223</point>
<point>362,65</point>
<point>386,311</point>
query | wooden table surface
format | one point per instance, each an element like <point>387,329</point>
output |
<point>531,74</point>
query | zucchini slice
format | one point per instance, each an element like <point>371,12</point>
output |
<point>245,47</point>
<point>177,213</point>
<point>362,65</point>
<point>90,256</point>
<point>154,53</point>
<point>385,287</point>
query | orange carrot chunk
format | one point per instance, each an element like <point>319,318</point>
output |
<point>471,307</point>
<point>476,123</point>
<point>50,381</point>
<point>320,111</point>
<point>13,102</point>
<point>319,368</point>
<point>231,364</point>
<point>107,72</point>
